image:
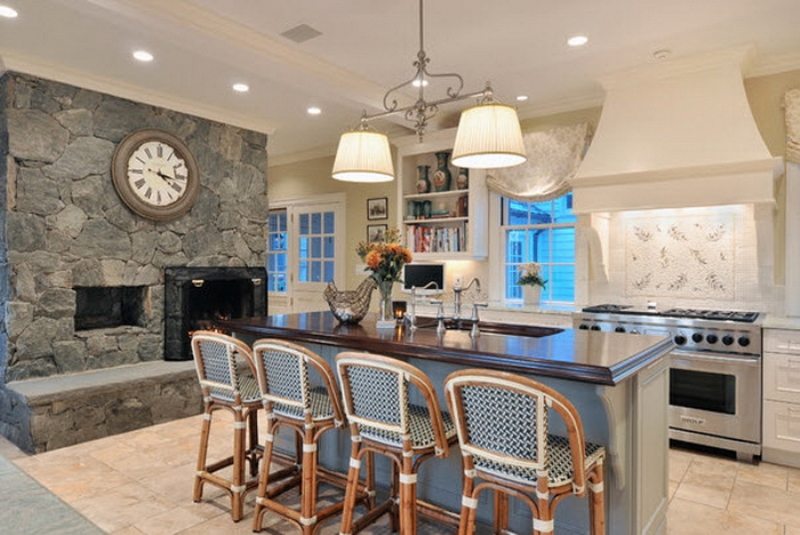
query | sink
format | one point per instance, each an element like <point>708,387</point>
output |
<point>535,331</point>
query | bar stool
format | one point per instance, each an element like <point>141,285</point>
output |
<point>285,373</point>
<point>217,358</point>
<point>502,424</point>
<point>375,392</point>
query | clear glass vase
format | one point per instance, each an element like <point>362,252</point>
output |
<point>385,304</point>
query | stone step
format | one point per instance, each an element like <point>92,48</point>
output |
<point>52,412</point>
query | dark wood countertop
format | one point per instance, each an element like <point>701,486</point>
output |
<point>586,356</point>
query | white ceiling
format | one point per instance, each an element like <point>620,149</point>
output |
<point>202,47</point>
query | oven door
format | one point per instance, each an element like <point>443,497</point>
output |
<point>716,394</point>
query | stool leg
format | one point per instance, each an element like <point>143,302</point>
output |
<point>252,431</point>
<point>469,500</point>
<point>395,494</point>
<point>202,454</point>
<point>500,512</point>
<point>370,480</point>
<point>238,486</point>
<point>597,511</point>
<point>408,493</point>
<point>308,492</point>
<point>351,490</point>
<point>263,478</point>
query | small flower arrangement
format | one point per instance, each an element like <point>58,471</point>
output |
<point>385,259</point>
<point>530,274</point>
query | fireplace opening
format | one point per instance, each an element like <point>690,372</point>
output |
<point>196,297</point>
<point>102,307</point>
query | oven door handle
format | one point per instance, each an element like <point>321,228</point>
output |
<point>688,356</point>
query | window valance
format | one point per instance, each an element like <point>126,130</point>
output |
<point>553,159</point>
<point>792,106</point>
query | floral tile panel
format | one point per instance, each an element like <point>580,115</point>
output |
<point>681,256</point>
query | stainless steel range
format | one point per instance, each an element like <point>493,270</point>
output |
<point>715,370</point>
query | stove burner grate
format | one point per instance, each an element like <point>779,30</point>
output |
<point>714,315</point>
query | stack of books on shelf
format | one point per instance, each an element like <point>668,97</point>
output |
<point>424,239</point>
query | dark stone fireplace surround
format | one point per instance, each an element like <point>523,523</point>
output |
<point>64,227</point>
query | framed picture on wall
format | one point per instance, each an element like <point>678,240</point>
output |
<point>378,208</point>
<point>376,233</point>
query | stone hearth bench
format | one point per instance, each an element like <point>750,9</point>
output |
<point>53,412</point>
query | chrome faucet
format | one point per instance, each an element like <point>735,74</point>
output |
<point>457,295</point>
<point>412,317</point>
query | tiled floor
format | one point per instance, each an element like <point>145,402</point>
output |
<point>140,483</point>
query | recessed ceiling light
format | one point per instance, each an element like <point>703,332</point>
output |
<point>8,12</point>
<point>313,110</point>
<point>241,88</point>
<point>143,55</point>
<point>522,98</point>
<point>577,40</point>
<point>662,54</point>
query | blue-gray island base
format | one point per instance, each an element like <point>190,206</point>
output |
<point>618,382</point>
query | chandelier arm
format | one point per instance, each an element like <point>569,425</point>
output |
<point>450,92</point>
<point>404,109</point>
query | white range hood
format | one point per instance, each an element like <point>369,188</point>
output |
<point>677,134</point>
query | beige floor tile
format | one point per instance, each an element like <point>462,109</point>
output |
<point>679,462</point>
<point>171,522</point>
<point>766,474</point>
<point>129,530</point>
<point>688,518</point>
<point>765,502</point>
<point>123,507</point>
<point>703,494</point>
<point>791,530</point>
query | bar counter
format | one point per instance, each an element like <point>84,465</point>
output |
<point>587,356</point>
<point>618,382</point>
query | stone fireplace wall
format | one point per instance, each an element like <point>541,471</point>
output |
<point>64,225</point>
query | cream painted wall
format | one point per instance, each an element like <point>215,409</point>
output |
<point>313,177</point>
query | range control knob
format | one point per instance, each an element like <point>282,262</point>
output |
<point>727,339</point>
<point>712,338</point>
<point>744,341</point>
<point>619,329</point>
<point>583,327</point>
<point>595,327</point>
<point>697,338</point>
<point>680,339</point>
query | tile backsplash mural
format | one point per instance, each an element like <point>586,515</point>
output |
<point>681,256</point>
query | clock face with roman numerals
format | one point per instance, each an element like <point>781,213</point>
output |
<point>155,174</point>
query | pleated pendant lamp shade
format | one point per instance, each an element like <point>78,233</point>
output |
<point>363,156</point>
<point>488,137</point>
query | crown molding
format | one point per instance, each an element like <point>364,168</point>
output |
<point>775,64</point>
<point>136,93</point>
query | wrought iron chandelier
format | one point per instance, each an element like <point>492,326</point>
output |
<point>488,135</point>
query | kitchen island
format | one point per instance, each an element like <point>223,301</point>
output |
<point>618,382</point>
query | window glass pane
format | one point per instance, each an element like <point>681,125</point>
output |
<point>316,271</point>
<point>563,209</point>
<point>302,271</point>
<point>303,247</point>
<point>303,227</point>
<point>515,246</point>
<point>329,223</point>
<point>271,263</point>
<point>329,271</point>
<point>514,290</point>
<point>281,262</point>
<point>316,223</point>
<point>564,245</point>
<point>316,247</point>
<point>516,212</point>
<point>329,243</point>
<point>540,213</point>
<point>282,219</point>
<point>561,283</point>
<point>539,245</point>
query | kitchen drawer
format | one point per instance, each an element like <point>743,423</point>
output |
<point>781,426</point>
<point>781,377</point>
<point>782,341</point>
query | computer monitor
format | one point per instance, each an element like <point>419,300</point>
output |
<point>421,274</point>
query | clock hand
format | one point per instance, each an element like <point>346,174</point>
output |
<point>166,178</point>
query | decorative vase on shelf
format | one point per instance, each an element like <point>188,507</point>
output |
<point>442,176</point>
<point>423,182</point>
<point>385,312</point>
<point>531,294</point>
<point>462,180</point>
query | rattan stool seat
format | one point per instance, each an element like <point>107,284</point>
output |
<point>227,378</point>
<point>286,375</point>
<point>516,455</point>
<point>376,391</point>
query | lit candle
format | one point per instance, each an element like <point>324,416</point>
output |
<point>399,309</point>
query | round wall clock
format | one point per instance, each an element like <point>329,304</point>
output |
<point>155,174</point>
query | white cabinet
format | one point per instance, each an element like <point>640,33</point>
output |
<point>445,222</point>
<point>781,430</point>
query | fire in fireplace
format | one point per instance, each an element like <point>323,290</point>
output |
<point>195,297</point>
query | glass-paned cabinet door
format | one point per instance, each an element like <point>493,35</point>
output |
<point>277,252</point>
